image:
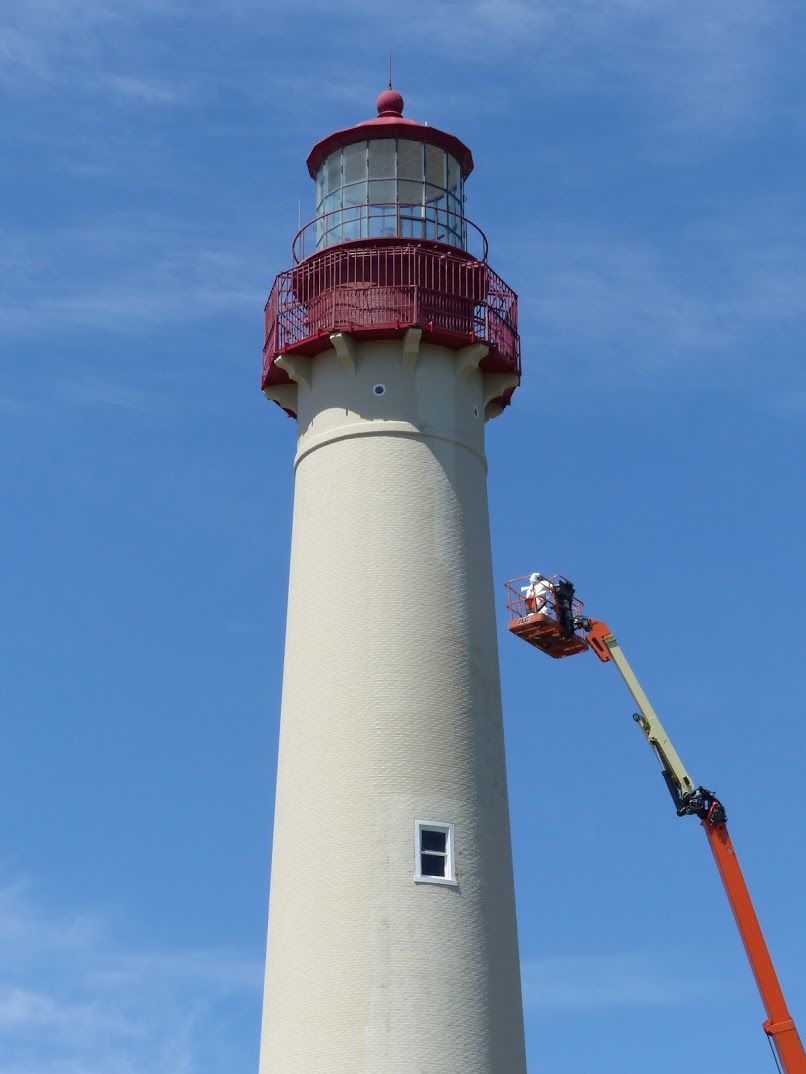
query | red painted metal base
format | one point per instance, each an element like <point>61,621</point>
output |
<point>544,633</point>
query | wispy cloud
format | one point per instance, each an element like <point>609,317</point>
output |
<point>574,982</point>
<point>700,67</point>
<point>126,273</point>
<point>97,391</point>
<point>74,1000</point>
<point>146,90</point>
<point>696,307</point>
<point>631,307</point>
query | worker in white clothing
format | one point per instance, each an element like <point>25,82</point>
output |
<point>537,594</point>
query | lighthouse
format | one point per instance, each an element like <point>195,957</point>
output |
<point>392,941</point>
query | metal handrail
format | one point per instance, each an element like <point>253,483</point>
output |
<point>426,222</point>
<point>377,286</point>
<point>518,602</point>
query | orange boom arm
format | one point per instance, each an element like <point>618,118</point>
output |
<point>562,630</point>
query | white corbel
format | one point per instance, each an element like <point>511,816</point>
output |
<point>296,368</point>
<point>346,349</point>
<point>284,394</point>
<point>411,345</point>
<point>468,358</point>
<point>493,386</point>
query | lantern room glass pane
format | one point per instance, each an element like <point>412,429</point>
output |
<point>435,166</point>
<point>454,176</point>
<point>412,222</point>
<point>382,190</point>
<point>355,194</point>
<point>419,185</point>
<point>355,162</point>
<point>435,195</point>
<point>409,192</point>
<point>410,160</point>
<point>333,172</point>
<point>334,235</point>
<point>382,159</point>
<point>351,221</point>
<point>381,221</point>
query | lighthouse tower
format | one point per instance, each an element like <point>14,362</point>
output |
<point>392,942</point>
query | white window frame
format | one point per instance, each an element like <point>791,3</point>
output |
<point>450,857</point>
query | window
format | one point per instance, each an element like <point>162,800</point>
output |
<point>434,853</point>
<point>355,194</point>
<point>355,162</point>
<point>410,160</point>
<point>434,165</point>
<point>381,191</point>
<point>382,158</point>
<point>454,176</point>
<point>333,172</point>
<point>420,177</point>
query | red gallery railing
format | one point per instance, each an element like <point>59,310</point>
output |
<point>384,287</point>
<point>382,269</point>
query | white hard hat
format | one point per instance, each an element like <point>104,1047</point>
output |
<point>535,577</point>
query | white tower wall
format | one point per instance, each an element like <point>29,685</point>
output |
<point>391,713</point>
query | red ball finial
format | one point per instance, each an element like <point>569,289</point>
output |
<point>389,103</point>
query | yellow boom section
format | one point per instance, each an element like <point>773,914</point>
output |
<point>604,644</point>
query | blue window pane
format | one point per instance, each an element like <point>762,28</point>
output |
<point>412,228</point>
<point>436,195</point>
<point>382,221</point>
<point>333,234</point>
<point>355,194</point>
<point>351,223</point>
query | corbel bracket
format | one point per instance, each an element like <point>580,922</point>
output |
<point>468,358</point>
<point>346,349</point>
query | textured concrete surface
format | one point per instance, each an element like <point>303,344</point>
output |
<point>391,713</point>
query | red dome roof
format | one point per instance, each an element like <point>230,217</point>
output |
<point>390,123</point>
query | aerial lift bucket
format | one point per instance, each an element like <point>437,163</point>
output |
<point>552,627</point>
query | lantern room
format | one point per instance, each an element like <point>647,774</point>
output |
<point>388,177</point>
<point>390,249</point>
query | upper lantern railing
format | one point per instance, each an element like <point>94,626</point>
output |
<point>390,220</point>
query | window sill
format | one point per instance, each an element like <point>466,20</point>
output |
<point>444,880</point>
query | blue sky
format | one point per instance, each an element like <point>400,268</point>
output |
<point>640,172</point>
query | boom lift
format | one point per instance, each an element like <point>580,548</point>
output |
<point>559,629</point>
